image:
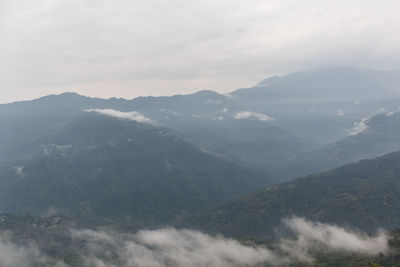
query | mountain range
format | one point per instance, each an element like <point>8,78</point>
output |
<point>107,170</point>
<point>363,195</point>
<point>273,126</point>
<point>320,145</point>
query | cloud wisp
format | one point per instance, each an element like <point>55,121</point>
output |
<point>172,247</point>
<point>360,126</point>
<point>132,115</point>
<point>241,115</point>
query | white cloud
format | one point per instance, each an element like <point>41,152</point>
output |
<point>181,248</point>
<point>252,115</point>
<point>360,126</point>
<point>12,255</point>
<point>20,171</point>
<point>132,115</point>
<point>340,113</point>
<point>318,237</point>
<point>166,247</point>
<point>224,110</point>
<point>229,95</point>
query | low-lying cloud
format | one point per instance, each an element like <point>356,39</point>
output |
<point>168,247</point>
<point>12,255</point>
<point>252,115</point>
<point>360,126</point>
<point>314,237</point>
<point>181,248</point>
<point>132,115</point>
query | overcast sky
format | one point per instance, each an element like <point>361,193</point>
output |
<point>127,48</point>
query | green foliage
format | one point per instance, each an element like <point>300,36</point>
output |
<point>364,195</point>
<point>105,171</point>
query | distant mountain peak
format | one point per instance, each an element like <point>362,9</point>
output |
<point>206,93</point>
<point>327,84</point>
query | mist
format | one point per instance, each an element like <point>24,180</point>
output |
<point>132,48</point>
<point>12,255</point>
<point>173,247</point>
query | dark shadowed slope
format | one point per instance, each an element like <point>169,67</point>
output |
<point>112,170</point>
<point>365,195</point>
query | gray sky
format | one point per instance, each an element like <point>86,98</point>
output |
<point>127,48</point>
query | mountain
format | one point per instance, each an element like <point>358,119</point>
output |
<point>276,122</point>
<point>205,118</point>
<point>322,105</point>
<point>213,121</point>
<point>259,143</point>
<point>73,161</point>
<point>105,170</point>
<point>329,84</point>
<point>364,195</point>
<point>22,122</point>
<point>371,137</point>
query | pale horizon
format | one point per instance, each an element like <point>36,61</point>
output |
<point>130,49</point>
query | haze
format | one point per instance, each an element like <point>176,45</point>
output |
<point>154,47</point>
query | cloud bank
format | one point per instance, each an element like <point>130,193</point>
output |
<point>252,115</point>
<point>132,115</point>
<point>318,237</point>
<point>181,248</point>
<point>169,247</point>
<point>12,255</point>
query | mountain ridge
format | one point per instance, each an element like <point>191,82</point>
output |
<point>100,168</point>
<point>363,195</point>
